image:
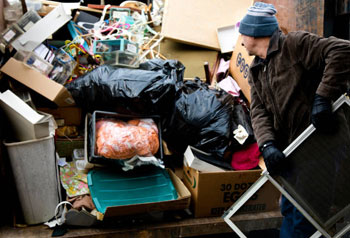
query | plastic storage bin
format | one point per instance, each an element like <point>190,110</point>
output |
<point>10,34</point>
<point>28,20</point>
<point>111,188</point>
<point>34,61</point>
<point>91,135</point>
<point>34,167</point>
<point>119,52</point>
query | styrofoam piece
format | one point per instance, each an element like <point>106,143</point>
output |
<point>34,168</point>
<point>26,123</point>
<point>227,37</point>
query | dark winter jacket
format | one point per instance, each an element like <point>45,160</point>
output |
<point>283,86</point>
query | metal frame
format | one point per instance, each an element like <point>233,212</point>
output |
<point>266,177</point>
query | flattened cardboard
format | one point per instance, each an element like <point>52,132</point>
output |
<point>214,192</point>
<point>196,22</point>
<point>239,67</point>
<point>38,82</point>
<point>182,202</point>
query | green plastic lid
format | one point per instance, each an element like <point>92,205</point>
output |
<point>109,188</point>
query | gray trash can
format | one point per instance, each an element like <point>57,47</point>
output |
<point>33,164</point>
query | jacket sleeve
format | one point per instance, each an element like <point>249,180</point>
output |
<point>332,54</point>
<point>261,120</point>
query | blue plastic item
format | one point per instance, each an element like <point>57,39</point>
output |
<point>74,33</point>
<point>110,188</point>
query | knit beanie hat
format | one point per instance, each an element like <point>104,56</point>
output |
<point>259,21</point>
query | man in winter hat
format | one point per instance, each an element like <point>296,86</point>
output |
<point>294,78</point>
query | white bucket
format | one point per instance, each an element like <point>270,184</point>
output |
<point>33,164</point>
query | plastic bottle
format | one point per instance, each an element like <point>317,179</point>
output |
<point>13,11</point>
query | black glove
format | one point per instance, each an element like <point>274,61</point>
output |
<point>321,114</point>
<point>275,160</point>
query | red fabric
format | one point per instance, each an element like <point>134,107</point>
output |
<point>246,158</point>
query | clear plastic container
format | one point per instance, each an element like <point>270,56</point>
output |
<point>117,13</point>
<point>34,5</point>
<point>10,34</point>
<point>121,58</point>
<point>34,61</point>
<point>13,11</point>
<point>63,66</point>
<point>119,52</point>
<point>28,20</point>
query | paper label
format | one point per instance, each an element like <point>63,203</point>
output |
<point>9,35</point>
<point>69,100</point>
<point>39,65</point>
<point>117,15</point>
<point>132,48</point>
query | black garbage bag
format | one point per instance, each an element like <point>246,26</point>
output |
<point>149,89</point>
<point>202,118</point>
<point>241,117</point>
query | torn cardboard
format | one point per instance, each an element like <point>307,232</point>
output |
<point>40,83</point>
<point>239,67</point>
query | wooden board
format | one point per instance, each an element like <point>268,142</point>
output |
<point>188,227</point>
<point>195,22</point>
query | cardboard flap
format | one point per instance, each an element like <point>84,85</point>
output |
<point>239,67</point>
<point>38,82</point>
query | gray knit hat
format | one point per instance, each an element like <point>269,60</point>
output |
<point>259,21</point>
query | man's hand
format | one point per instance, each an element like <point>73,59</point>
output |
<point>275,160</point>
<point>321,114</point>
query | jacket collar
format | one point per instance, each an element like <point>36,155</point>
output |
<point>273,47</point>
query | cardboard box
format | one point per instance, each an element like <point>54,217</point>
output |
<point>239,67</point>
<point>214,192</point>
<point>71,116</point>
<point>182,202</point>
<point>38,82</point>
<point>196,22</point>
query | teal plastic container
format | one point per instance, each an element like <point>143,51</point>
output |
<point>110,188</point>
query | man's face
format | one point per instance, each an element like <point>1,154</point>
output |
<point>249,43</point>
